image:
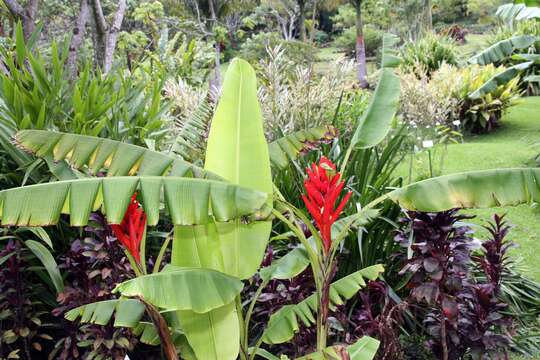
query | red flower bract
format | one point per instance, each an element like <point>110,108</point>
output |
<point>131,229</point>
<point>323,187</point>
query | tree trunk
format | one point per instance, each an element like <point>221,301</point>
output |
<point>105,39</point>
<point>78,36</point>
<point>302,19</point>
<point>27,15</point>
<point>360,47</point>
<point>112,35</point>
<point>313,19</point>
<point>429,15</point>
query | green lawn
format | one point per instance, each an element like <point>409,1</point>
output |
<point>512,145</point>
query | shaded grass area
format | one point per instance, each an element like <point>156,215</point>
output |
<point>512,145</point>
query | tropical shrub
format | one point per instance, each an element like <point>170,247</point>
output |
<point>298,98</point>
<point>428,53</point>
<point>463,314</point>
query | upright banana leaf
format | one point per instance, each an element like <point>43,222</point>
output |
<point>475,189</point>
<point>188,201</point>
<point>290,147</point>
<point>502,49</point>
<point>499,79</point>
<point>118,158</point>
<point>375,122</point>
<point>283,324</point>
<point>238,152</point>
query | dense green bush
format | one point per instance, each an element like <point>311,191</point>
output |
<point>255,48</point>
<point>372,40</point>
<point>429,53</point>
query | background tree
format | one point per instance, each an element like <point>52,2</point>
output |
<point>26,14</point>
<point>106,34</point>
<point>360,46</point>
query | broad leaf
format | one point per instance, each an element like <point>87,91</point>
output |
<point>189,201</point>
<point>177,288</point>
<point>283,324</point>
<point>475,189</point>
<point>212,335</point>
<point>390,58</point>
<point>502,49</point>
<point>376,121</point>
<point>288,266</point>
<point>290,147</point>
<point>127,312</point>
<point>510,12</point>
<point>118,158</point>
<point>364,349</point>
<point>237,151</point>
<point>46,258</point>
<point>231,247</point>
<point>500,79</point>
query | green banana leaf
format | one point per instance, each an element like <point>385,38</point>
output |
<point>475,189</point>
<point>290,147</point>
<point>510,12</point>
<point>364,349</point>
<point>283,324</point>
<point>189,201</point>
<point>231,247</point>
<point>288,266</point>
<point>502,49</point>
<point>390,58</point>
<point>46,258</point>
<point>237,151</point>
<point>127,312</point>
<point>118,158</point>
<point>499,79</point>
<point>212,335</point>
<point>178,288</point>
<point>377,119</point>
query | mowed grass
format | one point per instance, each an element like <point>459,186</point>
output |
<point>511,145</point>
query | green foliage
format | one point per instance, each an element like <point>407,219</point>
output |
<point>255,48</point>
<point>42,96</point>
<point>429,53</point>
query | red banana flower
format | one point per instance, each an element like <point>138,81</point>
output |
<point>131,230</point>
<point>323,187</point>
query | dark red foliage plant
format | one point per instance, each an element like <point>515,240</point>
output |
<point>462,314</point>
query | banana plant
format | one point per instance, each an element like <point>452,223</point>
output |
<point>220,215</point>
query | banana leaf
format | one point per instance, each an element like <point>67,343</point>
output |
<point>290,147</point>
<point>364,349</point>
<point>127,312</point>
<point>189,201</point>
<point>118,158</point>
<point>499,79</point>
<point>376,121</point>
<point>475,189</point>
<point>177,288</point>
<point>283,324</point>
<point>502,49</point>
<point>237,151</point>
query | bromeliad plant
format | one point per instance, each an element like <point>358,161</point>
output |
<point>221,221</point>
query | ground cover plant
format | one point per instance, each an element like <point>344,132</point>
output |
<point>268,180</point>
